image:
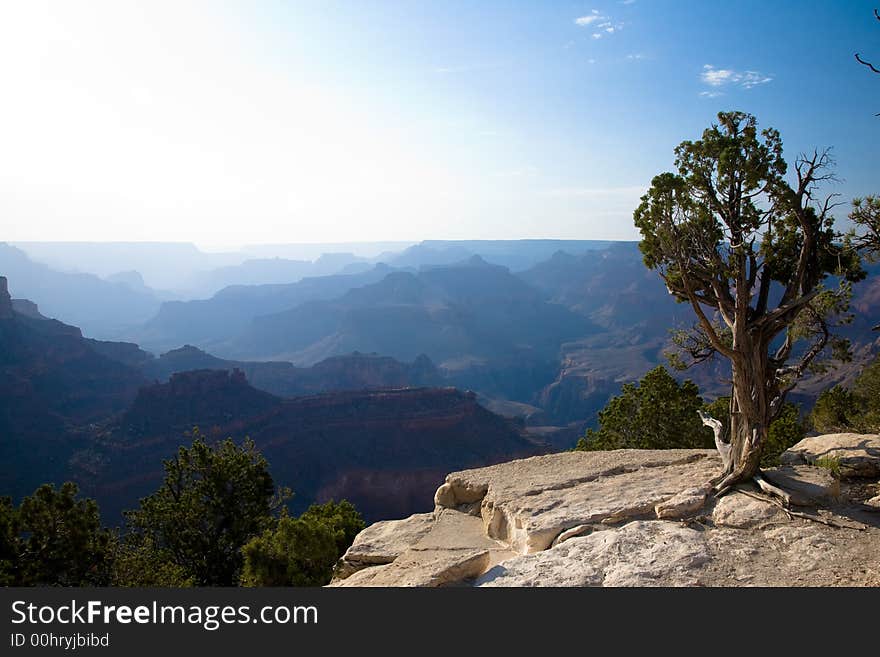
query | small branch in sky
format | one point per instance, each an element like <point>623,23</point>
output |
<point>866,63</point>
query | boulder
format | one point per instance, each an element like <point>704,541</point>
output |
<point>445,496</point>
<point>857,454</point>
<point>528,504</point>
<point>807,484</point>
<point>426,568</point>
<point>683,504</point>
<point>640,553</point>
<point>742,512</point>
<point>440,549</point>
<point>530,523</point>
<point>383,542</point>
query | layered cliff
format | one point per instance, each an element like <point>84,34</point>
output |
<point>384,450</point>
<point>53,383</point>
<point>354,371</point>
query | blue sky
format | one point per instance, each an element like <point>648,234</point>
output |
<point>328,121</point>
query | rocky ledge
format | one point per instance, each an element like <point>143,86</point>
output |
<point>631,518</point>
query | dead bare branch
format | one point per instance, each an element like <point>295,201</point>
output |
<point>867,63</point>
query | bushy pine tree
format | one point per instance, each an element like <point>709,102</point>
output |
<point>302,551</point>
<point>54,538</point>
<point>655,413</point>
<point>215,498</point>
<point>856,409</point>
<point>659,413</point>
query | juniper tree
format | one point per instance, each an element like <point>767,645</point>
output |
<point>752,254</point>
<point>214,499</point>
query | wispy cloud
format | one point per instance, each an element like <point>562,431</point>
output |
<point>602,24</point>
<point>711,94</point>
<point>627,2</point>
<point>589,19</point>
<point>635,57</point>
<point>721,77</point>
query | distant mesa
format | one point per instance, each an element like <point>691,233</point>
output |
<point>101,308</point>
<point>27,308</point>
<point>6,310</point>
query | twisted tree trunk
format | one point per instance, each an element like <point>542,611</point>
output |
<point>750,415</point>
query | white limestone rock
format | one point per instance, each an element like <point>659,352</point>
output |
<point>641,553</point>
<point>742,512</point>
<point>857,453</point>
<point>683,504</point>
<point>807,484</point>
<point>383,542</point>
<point>424,568</point>
<point>528,504</point>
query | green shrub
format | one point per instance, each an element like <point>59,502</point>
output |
<point>215,498</point>
<point>831,463</point>
<point>655,413</point>
<point>659,413</point>
<point>856,409</point>
<point>54,539</point>
<point>298,552</point>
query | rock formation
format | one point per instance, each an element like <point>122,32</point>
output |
<point>625,518</point>
<point>350,372</point>
<point>856,454</point>
<point>383,450</point>
<point>27,308</point>
<point>5,300</point>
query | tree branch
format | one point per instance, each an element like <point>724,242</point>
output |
<point>780,313</point>
<point>708,329</point>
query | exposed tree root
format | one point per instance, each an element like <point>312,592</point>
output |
<point>772,491</point>
<point>797,514</point>
<point>727,481</point>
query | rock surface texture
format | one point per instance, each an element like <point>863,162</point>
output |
<point>623,518</point>
<point>858,454</point>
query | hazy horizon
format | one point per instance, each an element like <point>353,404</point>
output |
<point>276,123</point>
<point>364,248</point>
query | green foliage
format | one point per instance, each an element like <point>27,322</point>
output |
<point>140,563</point>
<point>211,523</point>
<point>866,214</point>
<point>751,253</point>
<point>786,430</point>
<point>655,413</point>
<point>215,498</point>
<point>54,539</point>
<point>298,552</point>
<point>830,463</point>
<point>9,542</point>
<point>858,409</point>
<point>658,413</point>
<point>836,409</point>
<point>302,551</point>
<point>342,519</point>
<point>866,391</point>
